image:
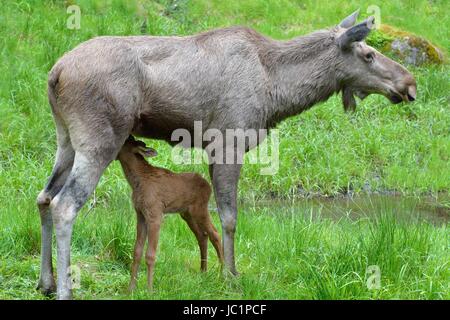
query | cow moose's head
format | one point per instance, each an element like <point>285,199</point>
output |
<point>363,70</point>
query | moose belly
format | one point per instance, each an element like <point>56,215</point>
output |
<point>161,126</point>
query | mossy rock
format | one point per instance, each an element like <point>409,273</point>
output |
<point>407,47</point>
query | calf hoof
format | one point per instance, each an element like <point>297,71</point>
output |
<point>131,288</point>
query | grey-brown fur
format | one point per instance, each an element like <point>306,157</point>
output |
<point>109,87</point>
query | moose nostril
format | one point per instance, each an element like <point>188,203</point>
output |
<point>411,98</point>
<point>411,92</point>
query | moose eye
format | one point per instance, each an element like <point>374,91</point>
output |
<point>369,57</point>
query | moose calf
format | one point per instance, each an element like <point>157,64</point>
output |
<point>157,191</point>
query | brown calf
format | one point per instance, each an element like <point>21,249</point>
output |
<point>157,191</point>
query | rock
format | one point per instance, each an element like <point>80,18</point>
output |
<point>407,47</point>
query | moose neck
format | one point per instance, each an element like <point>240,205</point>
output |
<point>134,166</point>
<point>302,72</point>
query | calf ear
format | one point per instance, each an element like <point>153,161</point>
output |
<point>356,33</point>
<point>348,99</point>
<point>350,20</point>
<point>147,152</point>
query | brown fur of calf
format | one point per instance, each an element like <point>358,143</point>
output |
<point>157,191</point>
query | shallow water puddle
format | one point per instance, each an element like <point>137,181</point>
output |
<point>407,209</point>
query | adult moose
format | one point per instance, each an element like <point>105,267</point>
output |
<point>109,87</point>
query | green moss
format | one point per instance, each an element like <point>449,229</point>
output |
<point>435,55</point>
<point>383,37</point>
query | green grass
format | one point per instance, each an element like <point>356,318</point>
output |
<point>281,255</point>
<point>404,148</point>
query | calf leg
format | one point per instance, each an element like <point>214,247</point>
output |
<point>141,235</point>
<point>203,244</point>
<point>202,240</point>
<point>225,179</point>
<point>153,220</point>
<point>214,237</point>
<point>61,169</point>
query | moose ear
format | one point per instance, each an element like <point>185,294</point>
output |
<point>350,20</point>
<point>356,33</point>
<point>348,99</point>
<point>147,152</point>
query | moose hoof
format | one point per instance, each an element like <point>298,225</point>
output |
<point>47,289</point>
<point>231,272</point>
<point>235,273</point>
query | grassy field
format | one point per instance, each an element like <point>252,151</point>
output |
<point>324,151</point>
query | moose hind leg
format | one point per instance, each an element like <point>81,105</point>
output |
<point>63,164</point>
<point>64,207</point>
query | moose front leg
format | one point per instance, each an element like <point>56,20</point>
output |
<point>225,178</point>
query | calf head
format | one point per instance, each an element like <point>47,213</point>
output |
<point>133,146</point>
<point>362,70</point>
